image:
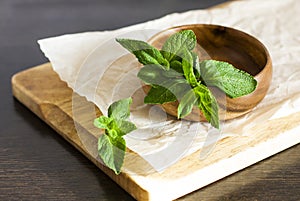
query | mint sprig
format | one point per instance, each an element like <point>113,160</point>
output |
<point>111,145</point>
<point>176,74</point>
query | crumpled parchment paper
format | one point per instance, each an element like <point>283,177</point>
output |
<point>95,67</point>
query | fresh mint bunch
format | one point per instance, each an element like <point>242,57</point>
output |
<point>111,145</point>
<point>176,74</point>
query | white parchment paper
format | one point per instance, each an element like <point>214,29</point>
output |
<point>93,65</point>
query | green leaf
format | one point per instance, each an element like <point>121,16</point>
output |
<point>170,91</point>
<point>232,81</point>
<point>112,152</point>
<point>120,109</point>
<point>207,103</point>
<point>178,87</point>
<point>125,127</point>
<point>159,95</point>
<point>178,41</point>
<point>145,53</point>
<point>177,66</point>
<point>186,104</point>
<point>103,122</point>
<point>113,132</point>
<point>167,86</point>
<point>196,65</point>
<point>188,70</point>
<point>156,74</point>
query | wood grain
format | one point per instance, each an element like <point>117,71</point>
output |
<point>41,90</point>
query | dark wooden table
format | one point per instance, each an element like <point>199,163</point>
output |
<point>37,164</point>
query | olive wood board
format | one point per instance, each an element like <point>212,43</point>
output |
<point>41,90</point>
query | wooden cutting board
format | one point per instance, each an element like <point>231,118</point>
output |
<point>42,91</point>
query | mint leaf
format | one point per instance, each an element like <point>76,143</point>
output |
<point>125,127</point>
<point>207,103</point>
<point>156,74</point>
<point>232,81</point>
<point>187,66</point>
<point>167,86</point>
<point>168,91</point>
<point>159,95</point>
<point>178,86</point>
<point>145,53</point>
<point>112,152</point>
<point>178,41</point>
<point>113,133</point>
<point>103,122</point>
<point>196,65</point>
<point>120,109</point>
<point>177,66</point>
<point>186,104</point>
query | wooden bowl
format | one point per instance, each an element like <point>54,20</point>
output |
<point>236,47</point>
